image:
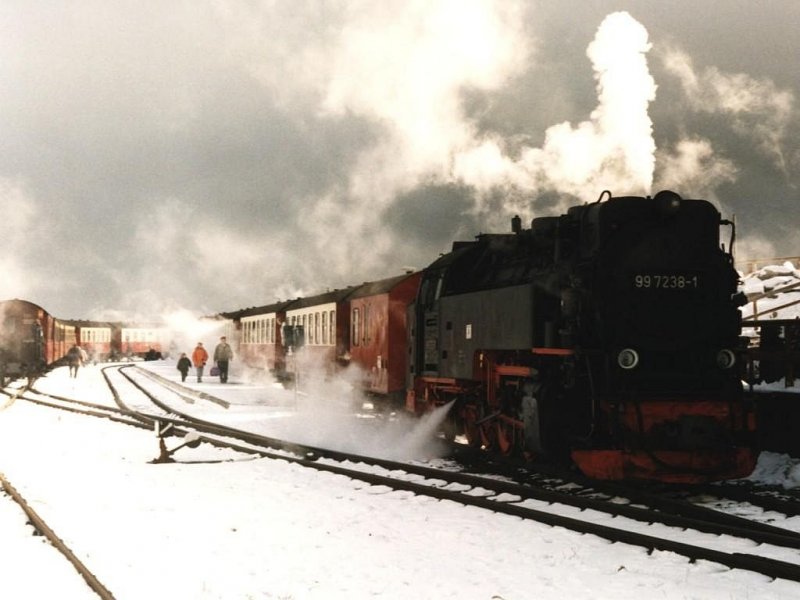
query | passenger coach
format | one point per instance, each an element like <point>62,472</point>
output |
<point>259,334</point>
<point>30,339</point>
<point>378,336</point>
<point>95,338</point>
<point>321,326</point>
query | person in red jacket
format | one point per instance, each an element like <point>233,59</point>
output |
<point>199,359</point>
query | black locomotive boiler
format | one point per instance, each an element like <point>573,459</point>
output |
<point>609,336</point>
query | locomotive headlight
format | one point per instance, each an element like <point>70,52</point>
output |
<point>628,358</point>
<point>726,359</point>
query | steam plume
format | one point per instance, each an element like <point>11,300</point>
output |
<point>613,149</point>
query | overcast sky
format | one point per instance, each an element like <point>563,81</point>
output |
<point>217,155</point>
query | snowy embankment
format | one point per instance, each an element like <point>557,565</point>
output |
<point>766,286</point>
<point>218,524</point>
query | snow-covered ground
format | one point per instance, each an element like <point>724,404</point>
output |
<point>219,524</point>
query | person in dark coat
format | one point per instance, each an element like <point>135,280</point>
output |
<point>222,356</point>
<point>184,364</point>
<point>76,356</point>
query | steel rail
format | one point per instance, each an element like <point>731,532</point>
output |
<point>91,580</point>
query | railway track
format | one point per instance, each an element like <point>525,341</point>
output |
<point>44,529</point>
<point>767,499</point>
<point>624,519</point>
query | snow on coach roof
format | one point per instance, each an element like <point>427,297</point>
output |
<point>276,307</point>
<point>368,288</point>
<point>324,298</point>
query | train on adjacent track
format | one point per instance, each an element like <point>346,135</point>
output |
<point>31,339</point>
<point>607,336</point>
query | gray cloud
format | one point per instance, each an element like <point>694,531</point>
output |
<point>157,155</point>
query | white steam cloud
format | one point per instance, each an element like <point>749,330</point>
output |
<point>20,233</point>
<point>693,165</point>
<point>756,108</point>
<point>613,149</point>
<point>266,151</point>
<point>402,68</point>
<point>407,72</point>
<point>185,239</point>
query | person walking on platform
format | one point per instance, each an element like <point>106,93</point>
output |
<point>222,356</point>
<point>199,359</point>
<point>183,365</point>
<point>76,356</point>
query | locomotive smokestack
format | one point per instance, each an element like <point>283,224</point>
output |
<point>516,224</point>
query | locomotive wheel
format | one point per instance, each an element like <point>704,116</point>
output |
<point>471,416</point>
<point>489,435</point>
<point>506,437</point>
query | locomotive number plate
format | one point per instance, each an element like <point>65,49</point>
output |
<point>660,281</point>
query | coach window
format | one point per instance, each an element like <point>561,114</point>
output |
<point>332,325</point>
<point>316,328</point>
<point>366,325</point>
<point>356,327</point>
<point>325,328</point>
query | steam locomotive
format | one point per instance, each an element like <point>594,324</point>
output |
<point>609,336</point>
